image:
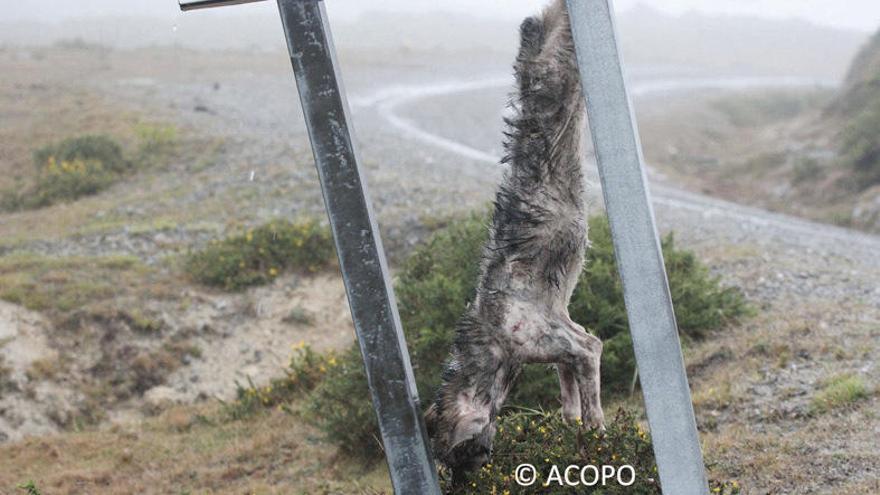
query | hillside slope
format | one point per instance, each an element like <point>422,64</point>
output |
<point>861,88</point>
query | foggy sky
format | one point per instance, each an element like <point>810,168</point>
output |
<point>863,15</point>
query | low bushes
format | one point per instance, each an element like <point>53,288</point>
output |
<point>860,146</point>
<point>259,255</point>
<point>858,107</point>
<point>99,148</point>
<point>69,180</point>
<point>543,440</point>
<point>86,165</point>
<point>304,371</point>
<point>436,283</point>
<point>71,169</point>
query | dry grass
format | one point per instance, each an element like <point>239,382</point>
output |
<point>753,387</point>
<point>183,452</point>
<point>59,286</point>
<point>50,96</point>
<point>755,391</point>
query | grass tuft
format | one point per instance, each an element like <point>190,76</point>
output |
<point>30,488</point>
<point>60,285</point>
<point>838,392</point>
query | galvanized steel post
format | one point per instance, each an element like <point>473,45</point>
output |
<point>637,248</point>
<point>358,245</point>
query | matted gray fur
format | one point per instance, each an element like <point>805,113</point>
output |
<point>531,261</point>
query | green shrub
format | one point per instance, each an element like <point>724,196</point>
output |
<point>544,441</point>
<point>305,370</point>
<point>69,170</point>
<point>85,165</point>
<point>259,255</point>
<point>98,148</point>
<point>341,407</point>
<point>69,180</point>
<point>860,145</point>
<point>434,287</point>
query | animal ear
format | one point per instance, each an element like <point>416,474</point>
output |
<point>531,33</point>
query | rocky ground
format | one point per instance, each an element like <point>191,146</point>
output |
<point>426,155</point>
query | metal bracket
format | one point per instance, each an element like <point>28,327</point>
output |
<point>187,5</point>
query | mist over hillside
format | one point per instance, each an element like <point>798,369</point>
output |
<point>861,88</point>
<point>696,42</point>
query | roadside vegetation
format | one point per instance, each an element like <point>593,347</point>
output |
<point>260,255</point>
<point>838,392</point>
<point>762,108</point>
<point>96,314</point>
<point>806,151</point>
<point>433,289</point>
<point>858,108</point>
<point>544,440</point>
<point>59,286</point>
<point>86,165</point>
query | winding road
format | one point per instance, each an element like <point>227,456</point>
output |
<point>794,231</point>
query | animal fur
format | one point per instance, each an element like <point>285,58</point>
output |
<point>531,261</point>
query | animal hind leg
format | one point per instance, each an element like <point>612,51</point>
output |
<point>570,392</point>
<point>587,370</point>
<point>576,354</point>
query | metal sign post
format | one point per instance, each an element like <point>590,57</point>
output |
<point>361,257</point>
<point>637,248</point>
